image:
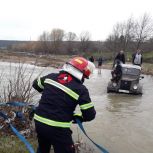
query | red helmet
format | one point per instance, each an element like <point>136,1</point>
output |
<point>83,65</point>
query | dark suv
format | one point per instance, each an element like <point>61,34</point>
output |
<point>129,82</point>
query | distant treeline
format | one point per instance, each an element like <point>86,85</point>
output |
<point>128,36</point>
<point>7,43</point>
<point>95,48</point>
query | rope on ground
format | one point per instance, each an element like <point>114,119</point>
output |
<point>103,150</point>
<point>17,133</point>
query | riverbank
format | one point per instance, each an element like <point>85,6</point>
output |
<point>147,68</point>
<point>38,60</point>
<point>55,61</point>
<point>12,144</point>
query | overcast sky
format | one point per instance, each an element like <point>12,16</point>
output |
<point>27,19</point>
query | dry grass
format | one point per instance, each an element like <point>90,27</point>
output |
<point>39,60</point>
<point>147,68</point>
<point>12,144</point>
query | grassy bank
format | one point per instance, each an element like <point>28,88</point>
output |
<point>147,68</point>
<point>14,145</point>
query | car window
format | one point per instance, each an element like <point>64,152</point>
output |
<point>130,71</point>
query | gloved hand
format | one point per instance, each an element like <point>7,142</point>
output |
<point>21,116</point>
<point>77,116</point>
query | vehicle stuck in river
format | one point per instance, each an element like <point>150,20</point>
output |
<point>129,82</point>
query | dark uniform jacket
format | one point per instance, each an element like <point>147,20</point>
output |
<point>120,57</point>
<point>61,93</point>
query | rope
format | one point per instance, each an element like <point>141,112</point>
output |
<point>83,130</point>
<point>22,138</point>
<point>102,149</point>
<point>17,133</point>
<point>15,103</point>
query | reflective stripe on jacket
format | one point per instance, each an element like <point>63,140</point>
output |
<point>51,122</point>
<point>62,87</point>
<point>61,93</point>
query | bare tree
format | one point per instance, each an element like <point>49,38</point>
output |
<point>123,34</point>
<point>56,38</point>
<point>19,85</point>
<point>127,35</point>
<point>143,30</point>
<point>50,42</point>
<point>112,42</point>
<point>70,38</point>
<point>85,41</point>
<point>16,86</point>
<point>44,42</point>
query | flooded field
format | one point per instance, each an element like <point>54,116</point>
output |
<point>124,123</point>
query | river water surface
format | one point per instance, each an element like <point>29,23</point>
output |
<point>124,123</point>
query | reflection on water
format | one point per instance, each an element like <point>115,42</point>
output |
<point>123,103</point>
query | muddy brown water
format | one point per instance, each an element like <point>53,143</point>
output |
<point>124,123</point>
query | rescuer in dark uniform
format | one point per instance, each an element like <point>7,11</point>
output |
<point>117,72</point>
<point>61,93</point>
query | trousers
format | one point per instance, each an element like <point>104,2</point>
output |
<point>59,138</point>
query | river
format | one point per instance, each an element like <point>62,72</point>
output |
<point>124,123</point>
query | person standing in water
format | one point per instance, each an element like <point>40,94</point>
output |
<point>100,62</point>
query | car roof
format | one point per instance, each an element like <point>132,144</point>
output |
<point>131,66</point>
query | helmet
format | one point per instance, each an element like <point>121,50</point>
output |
<point>79,67</point>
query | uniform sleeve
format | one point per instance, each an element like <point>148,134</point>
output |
<point>38,84</point>
<point>86,106</point>
<point>123,59</point>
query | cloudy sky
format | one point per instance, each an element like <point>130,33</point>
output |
<point>27,19</point>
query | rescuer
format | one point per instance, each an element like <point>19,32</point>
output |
<point>61,93</point>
